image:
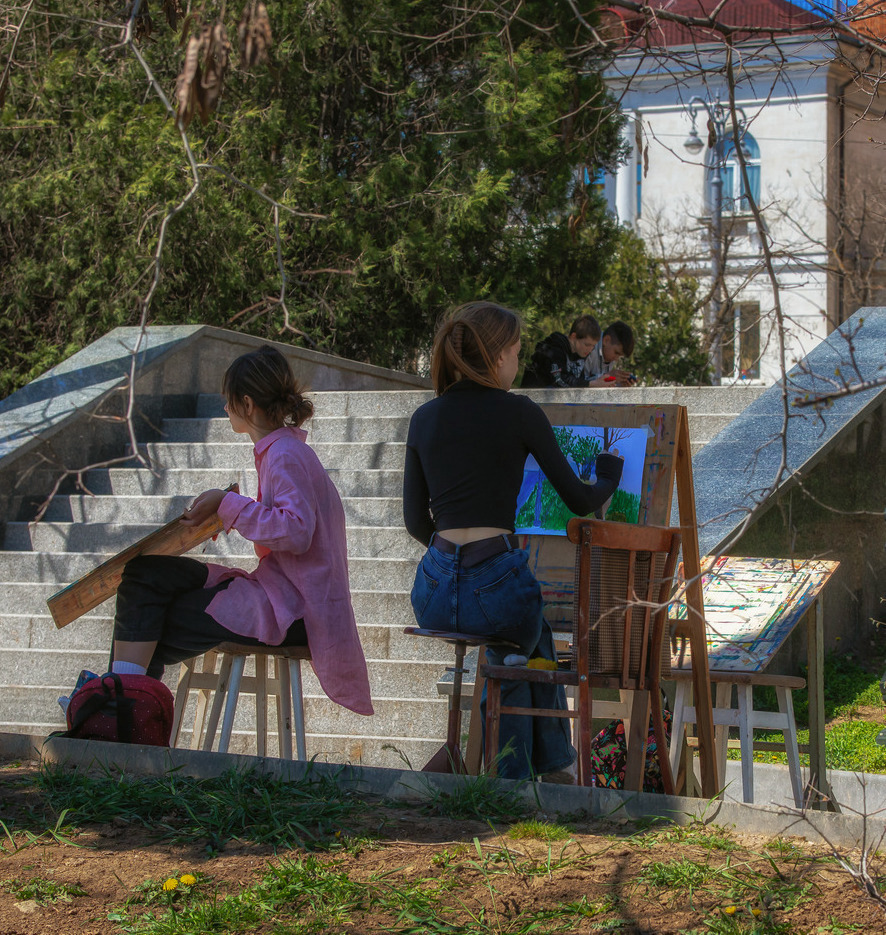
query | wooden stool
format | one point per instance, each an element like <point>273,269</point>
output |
<point>745,717</point>
<point>227,684</point>
<point>449,759</point>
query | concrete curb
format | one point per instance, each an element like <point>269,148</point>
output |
<point>845,831</point>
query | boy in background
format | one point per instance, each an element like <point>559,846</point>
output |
<point>600,365</point>
<point>560,360</point>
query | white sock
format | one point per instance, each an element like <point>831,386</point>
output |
<point>128,668</point>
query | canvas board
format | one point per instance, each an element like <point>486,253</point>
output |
<point>751,607</point>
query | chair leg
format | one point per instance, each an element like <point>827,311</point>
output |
<point>221,688</point>
<point>746,737</point>
<point>284,708</point>
<point>233,695</point>
<point>261,705</point>
<point>786,707</point>
<point>298,708</point>
<point>636,761</point>
<point>584,706</point>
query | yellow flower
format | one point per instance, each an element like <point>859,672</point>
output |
<point>731,910</point>
<point>539,663</point>
<point>188,879</point>
<point>170,885</point>
<point>756,912</point>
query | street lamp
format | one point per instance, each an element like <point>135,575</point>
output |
<point>718,116</point>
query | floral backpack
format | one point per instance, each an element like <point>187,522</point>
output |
<point>609,753</point>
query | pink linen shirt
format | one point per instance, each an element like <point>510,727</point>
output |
<point>297,526</point>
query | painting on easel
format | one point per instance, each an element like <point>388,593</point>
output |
<point>540,509</point>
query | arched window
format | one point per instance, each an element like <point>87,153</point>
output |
<point>735,192</point>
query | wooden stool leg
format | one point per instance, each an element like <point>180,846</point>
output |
<point>284,701</point>
<point>298,708</point>
<point>678,723</point>
<point>233,695</point>
<point>182,691</point>
<point>261,705</point>
<point>203,697</point>
<point>746,737</point>
<point>721,731</point>
<point>221,688</point>
<point>786,707</point>
<point>493,716</point>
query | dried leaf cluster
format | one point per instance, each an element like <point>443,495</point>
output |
<point>202,77</point>
<point>254,34</point>
<point>207,56</point>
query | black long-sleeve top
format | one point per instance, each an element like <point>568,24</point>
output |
<point>465,454</point>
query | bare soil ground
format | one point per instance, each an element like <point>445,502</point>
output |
<point>489,881</point>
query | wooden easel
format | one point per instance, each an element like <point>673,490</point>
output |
<point>668,461</point>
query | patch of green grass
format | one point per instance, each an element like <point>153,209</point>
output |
<point>849,745</point>
<point>681,874</point>
<point>480,797</point>
<point>15,840</point>
<point>539,831</point>
<point>248,806</point>
<point>709,837</point>
<point>847,687</point>
<point>43,891</point>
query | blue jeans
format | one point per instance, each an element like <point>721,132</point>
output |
<point>500,598</point>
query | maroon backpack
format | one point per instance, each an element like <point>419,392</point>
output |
<point>122,708</point>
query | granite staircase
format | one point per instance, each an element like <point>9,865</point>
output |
<point>360,437</point>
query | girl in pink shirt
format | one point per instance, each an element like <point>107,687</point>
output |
<point>171,608</point>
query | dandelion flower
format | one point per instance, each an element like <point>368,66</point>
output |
<point>188,879</point>
<point>170,885</point>
<point>756,912</point>
<point>539,663</point>
<point>731,910</point>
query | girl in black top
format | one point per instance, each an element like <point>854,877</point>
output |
<point>464,465</point>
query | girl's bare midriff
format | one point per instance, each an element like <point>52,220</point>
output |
<point>466,534</point>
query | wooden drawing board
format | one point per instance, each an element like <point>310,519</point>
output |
<point>102,582</point>
<point>667,462</point>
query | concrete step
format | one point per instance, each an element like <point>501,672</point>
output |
<point>398,678</point>
<point>375,455</point>
<point>320,429</point>
<point>79,508</point>
<point>701,399</point>
<point>372,606</point>
<point>363,541</point>
<point>381,639</point>
<point>133,483</point>
<point>395,732</point>
<point>366,574</point>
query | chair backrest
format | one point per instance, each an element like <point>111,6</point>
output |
<point>625,575</point>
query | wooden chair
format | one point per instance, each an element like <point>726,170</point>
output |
<point>746,718</point>
<point>624,578</point>
<point>225,687</point>
<point>449,759</point>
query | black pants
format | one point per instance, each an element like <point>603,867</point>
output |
<point>162,598</point>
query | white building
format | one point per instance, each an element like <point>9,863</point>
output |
<point>805,125</point>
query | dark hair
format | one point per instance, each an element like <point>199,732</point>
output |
<point>469,342</point>
<point>586,326</point>
<point>622,334</point>
<point>267,379</point>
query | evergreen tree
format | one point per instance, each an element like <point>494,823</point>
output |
<point>420,156</point>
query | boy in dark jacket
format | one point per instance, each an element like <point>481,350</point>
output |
<point>559,359</point>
